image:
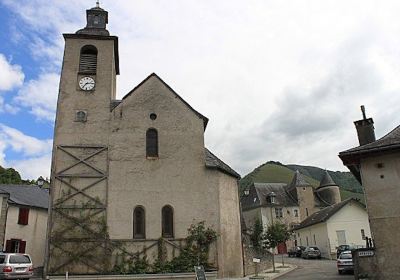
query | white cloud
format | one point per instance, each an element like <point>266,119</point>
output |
<point>279,80</point>
<point>40,96</point>
<point>7,108</point>
<point>35,153</point>
<point>11,75</point>
<point>32,168</point>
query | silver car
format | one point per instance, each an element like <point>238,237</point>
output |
<point>345,262</point>
<point>15,266</point>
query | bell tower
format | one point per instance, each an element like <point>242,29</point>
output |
<point>79,174</point>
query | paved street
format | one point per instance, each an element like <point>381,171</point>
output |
<point>312,269</point>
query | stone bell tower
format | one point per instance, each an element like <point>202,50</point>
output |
<point>79,175</point>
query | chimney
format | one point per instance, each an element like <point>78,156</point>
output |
<point>365,129</point>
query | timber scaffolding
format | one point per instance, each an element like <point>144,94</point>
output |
<point>78,239</point>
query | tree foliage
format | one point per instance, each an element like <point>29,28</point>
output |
<point>9,176</point>
<point>276,233</point>
<point>256,236</point>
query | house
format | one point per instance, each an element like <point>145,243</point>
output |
<point>23,220</point>
<point>343,223</point>
<point>288,203</point>
<point>376,165</point>
<point>131,175</point>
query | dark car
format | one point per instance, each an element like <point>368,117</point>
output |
<point>311,252</point>
<point>345,262</point>
<point>299,250</point>
<point>292,252</point>
<point>343,248</point>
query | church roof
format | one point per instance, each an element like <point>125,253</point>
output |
<point>205,119</point>
<point>26,195</point>
<point>324,214</point>
<point>326,180</point>
<point>212,161</point>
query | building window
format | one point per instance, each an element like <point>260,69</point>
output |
<point>139,223</point>
<point>167,214</point>
<point>315,242</point>
<point>296,212</point>
<point>278,212</point>
<point>306,212</point>
<point>15,246</point>
<point>307,240</point>
<point>80,116</point>
<point>151,143</point>
<point>363,234</point>
<point>23,216</point>
<point>88,60</point>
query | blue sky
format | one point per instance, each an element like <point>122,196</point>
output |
<point>279,80</point>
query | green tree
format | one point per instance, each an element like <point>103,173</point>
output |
<point>9,176</point>
<point>276,233</point>
<point>256,236</point>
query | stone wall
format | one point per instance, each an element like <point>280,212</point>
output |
<point>249,253</point>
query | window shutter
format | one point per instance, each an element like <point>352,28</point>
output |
<point>8,246</point>
<point>23,216</point>
<point>22,246</point>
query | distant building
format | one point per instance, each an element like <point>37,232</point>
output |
<point>23,220</point>
<point>376,165</point>
<point>288,203</point>
<point>344,223</point>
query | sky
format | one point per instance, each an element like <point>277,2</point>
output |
<point>279,80</point>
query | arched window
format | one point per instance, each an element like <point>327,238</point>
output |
<point>139,229</point>
<point>167,214</point>
<point>88,60</point>
<point>152,143</point>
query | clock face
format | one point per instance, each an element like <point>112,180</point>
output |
<point>86,83</point>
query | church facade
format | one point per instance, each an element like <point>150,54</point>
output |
<point>127,173</point>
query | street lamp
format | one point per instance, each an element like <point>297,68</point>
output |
<point>40,181</point>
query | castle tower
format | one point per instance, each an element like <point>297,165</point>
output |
<point>303,192</point>
<point>79,190</point>
<point>328,192</point>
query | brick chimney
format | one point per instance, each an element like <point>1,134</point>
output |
<point>365,129</point>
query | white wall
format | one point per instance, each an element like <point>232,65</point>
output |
<point>34,233</point>
<point>319,231</point>
<point>351,218</point>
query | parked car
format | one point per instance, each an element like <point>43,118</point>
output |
<point>311,252</point>
<point>292,252</point>
<point>345,262</point>
<point>296,251</point>
<point>15,266</point>
<point>342,248</point>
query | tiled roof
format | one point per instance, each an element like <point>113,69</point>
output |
<point>388,142</point>
<point>260,191</point>
<point>26,195</point>
<point>212,161</point>
<point>297,181</point>
<point>326,181</point>
<point>324,214</point>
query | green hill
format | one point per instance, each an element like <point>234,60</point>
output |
<point>276,172</point>
<point>11,176</point>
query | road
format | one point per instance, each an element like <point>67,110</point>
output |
<point>313,269</point>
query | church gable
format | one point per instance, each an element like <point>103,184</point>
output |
<point>154,93</point>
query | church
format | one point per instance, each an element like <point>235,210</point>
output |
<point>128,173</point>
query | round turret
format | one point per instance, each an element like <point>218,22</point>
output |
<point>328,192</point>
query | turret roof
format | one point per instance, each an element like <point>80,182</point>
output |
<point>326,180</point>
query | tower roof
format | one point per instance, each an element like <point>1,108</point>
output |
<point>96,22</point>
<point>297,181</point>
<point>326,180</point>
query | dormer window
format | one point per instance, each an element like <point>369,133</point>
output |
<point>88,60</point>
<point>96,20</point>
